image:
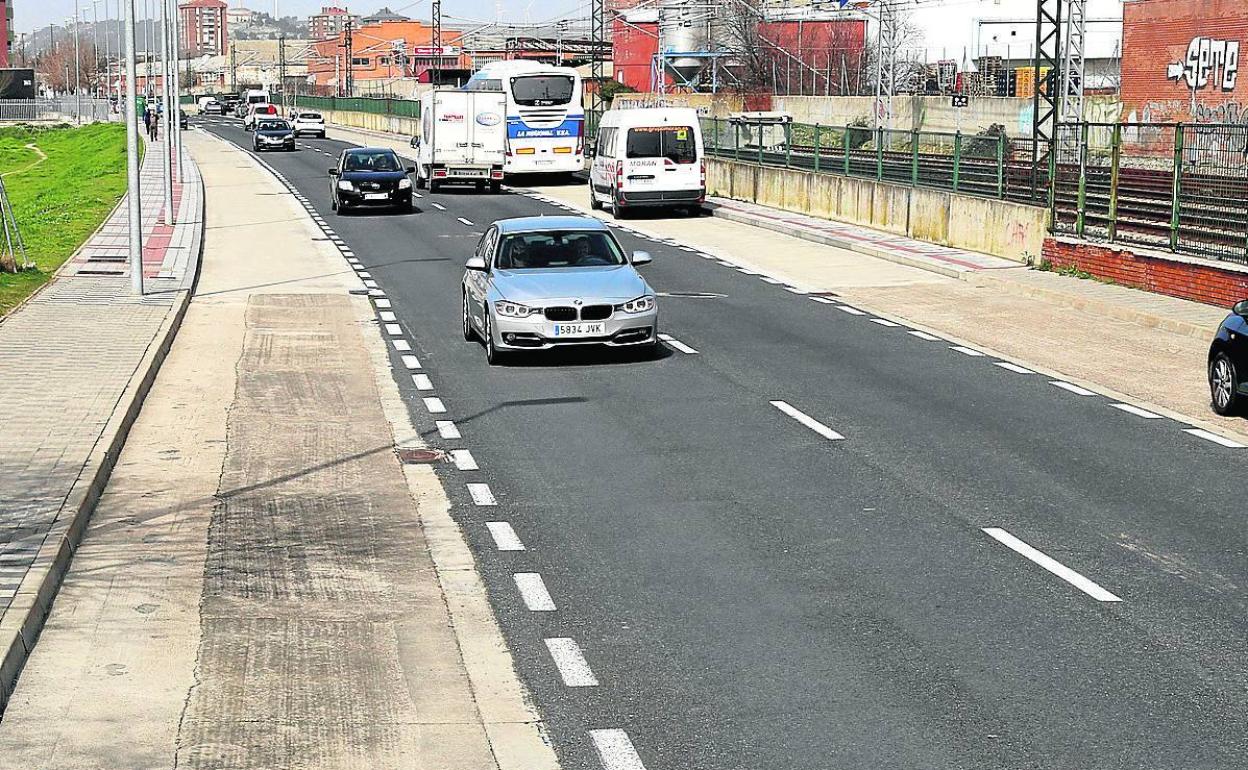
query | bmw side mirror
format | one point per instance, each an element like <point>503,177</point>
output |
<point>641,258</point>
<point>1241,308</point>
<point>475,263</point>
<point>333,172</point>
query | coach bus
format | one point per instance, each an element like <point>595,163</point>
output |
<point>545,115</point>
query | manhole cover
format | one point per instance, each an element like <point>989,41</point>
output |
<point>692,294</point>
<point>414,456</point>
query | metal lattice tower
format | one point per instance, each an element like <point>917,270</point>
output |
<point>1073,62</point>
<point>1048,55</point>
<point>598,39</point>
<point>886,64</point>
<point>435,8</point>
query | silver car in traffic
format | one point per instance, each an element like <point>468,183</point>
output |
<point>537,283</point>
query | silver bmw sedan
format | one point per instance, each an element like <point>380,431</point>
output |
<point>536,283</point>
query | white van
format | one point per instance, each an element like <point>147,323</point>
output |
<point>650,156</point>
<point>256,96</point>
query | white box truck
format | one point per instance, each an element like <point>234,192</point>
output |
<point>463,139</point>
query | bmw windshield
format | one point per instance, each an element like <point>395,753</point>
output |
<point>539,251</point>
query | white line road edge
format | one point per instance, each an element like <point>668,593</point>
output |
<point>447,429</point>
<point>1052,565</point>
<point>481,494</point>
<point>923,335</point>
<point>505,538</point>
<point>573,668</point>
<point>1012,367</point>
<point>533,592</point>
<point>1215,438</point>
<point>967,351</point>
<point>422,382</point>
<point>1078,391</point>
<point>677,344</point>
<point>434,405</point>
<point>615,750</point>
<point>808,421</point>
<point>1138,412</point>
<point>464,460</point>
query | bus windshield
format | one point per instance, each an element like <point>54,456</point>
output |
<point>541,90</point>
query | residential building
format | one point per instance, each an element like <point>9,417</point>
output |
<point>382,16</point>
<point>205,30</point>
<point>6,32</point>
<point>239,17</point>
<point>385,52</point>
<point>330,21</point>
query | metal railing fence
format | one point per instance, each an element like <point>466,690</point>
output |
<point>988,164</point>
<point>65,108</point>
<point>1177,187</point>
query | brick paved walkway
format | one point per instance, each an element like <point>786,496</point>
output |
<point>67,356</point>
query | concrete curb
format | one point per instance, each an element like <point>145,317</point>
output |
<point>22,623</point>
<point>981,278</point>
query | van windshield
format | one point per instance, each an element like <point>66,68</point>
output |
<point>676,143</point>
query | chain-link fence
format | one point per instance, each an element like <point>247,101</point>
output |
<point>1177,187</point>
<point>989,164</point>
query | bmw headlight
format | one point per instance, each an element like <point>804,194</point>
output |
<point>345,185</point>
<point>405,183</point>
<point>640,305</point>
<point>514,309</point>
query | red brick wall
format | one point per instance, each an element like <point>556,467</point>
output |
<point>1198,282</point>
<point>1156,35</point>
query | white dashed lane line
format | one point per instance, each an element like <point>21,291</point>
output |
<point>421,381</point>
<point>1138,412</point>
<point>481,494</point>
<point>434,405</point>
<point>387,315</point>
<point>533,592</point>
<point>505,538</point>
<point>884,322</point>
<point>967,351</point>
<point>463,221</point>
<point>411,362</point>
<point>1215,438</point>
<point>615,750</point>
<point>1078,391</point>
<point>573,668</point>
<point>394,330</point>
<point>1012,367</point>
<point>769,279</point>
<point>447,429</point>
<point>924,335</point>
<point>464,460</point>
<point>823,300</point>
<point>1052,565</point>
<point>402,345</point>
<point>677,344</point>
<point>808,421</point>
<point>381,302</point>
<point>850,310</point>
<point>438,206</point>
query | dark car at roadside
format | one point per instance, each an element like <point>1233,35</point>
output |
<point>1228,363</point>
<point>273,134</point>
<point>367,177</point>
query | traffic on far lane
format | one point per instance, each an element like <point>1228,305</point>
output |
<point>536,283</point>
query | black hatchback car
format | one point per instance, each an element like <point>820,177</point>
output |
<point>370,176</point>
<point>273,134</point>
<point>1228,363</point>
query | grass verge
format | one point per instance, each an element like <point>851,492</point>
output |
<point>60,201</point>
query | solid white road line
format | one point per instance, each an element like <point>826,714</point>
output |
<point>1138,412</point>
<point>1078,391</point>
<point>615,750</point>
<point>967,351</point>
<point>387,315</point>
<point>434,405</point>
<point>505,538</point>
<point>824,300</point>
<point>795,290</point>
<point>675,343</point>
<point>394,329</point>
<point>464,460</point>
<point>850,310</point>
<point>447,429</point>
<point>439,207</point>
<point>402,345</point>
<point>769,279</point>
<point>1052,565</point>
<point>421,381</point>
<point>534,592</point>
<point>883,322</point>
<point>747,271</point>
<point>808,421</point>
<point>1012,367</point>
<point>481,494</point>
<point>1215,438</point>
<point>924,336</point>
<point>411,362</point>
<point>573,667</point>
<point>463,221</point>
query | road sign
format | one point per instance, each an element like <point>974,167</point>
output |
<point>961,100</point>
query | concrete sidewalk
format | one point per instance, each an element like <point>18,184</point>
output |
<point>77,360</point>
<point>263,584</point>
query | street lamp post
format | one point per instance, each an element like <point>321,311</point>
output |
<point>168,119</point>
<point>175,46</point>
<point>130,114</point>
<point>77,70</point>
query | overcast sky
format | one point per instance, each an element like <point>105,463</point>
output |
<point>946,24</point>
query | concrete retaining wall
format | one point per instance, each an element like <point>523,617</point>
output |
<point>1001,228</point>
<point>391,124</point>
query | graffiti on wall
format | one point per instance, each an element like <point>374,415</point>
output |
<point>1210,63</point>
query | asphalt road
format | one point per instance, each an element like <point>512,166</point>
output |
<point>750,593</point>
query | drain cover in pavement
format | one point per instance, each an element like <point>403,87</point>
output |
<point>414,456</point>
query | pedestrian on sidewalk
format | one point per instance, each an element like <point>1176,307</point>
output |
<point>153,126</point>
<point>147,121</point>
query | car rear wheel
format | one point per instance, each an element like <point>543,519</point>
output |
<point>1224,385</point>
<point>469,332</point>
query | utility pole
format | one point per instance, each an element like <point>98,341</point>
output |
<point>77,68</point>
<point>281,68</point>
<point>129,112</point>
<point>233,68</point>
<point>95,46</point>
<point>147,45</point>
<point>598,38</point>
<point>169,120</point>
<point>176,47</point>
<point>885,66</point>
<point>120,34</point>
<point>348,50</point>
<point>435,73</point>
